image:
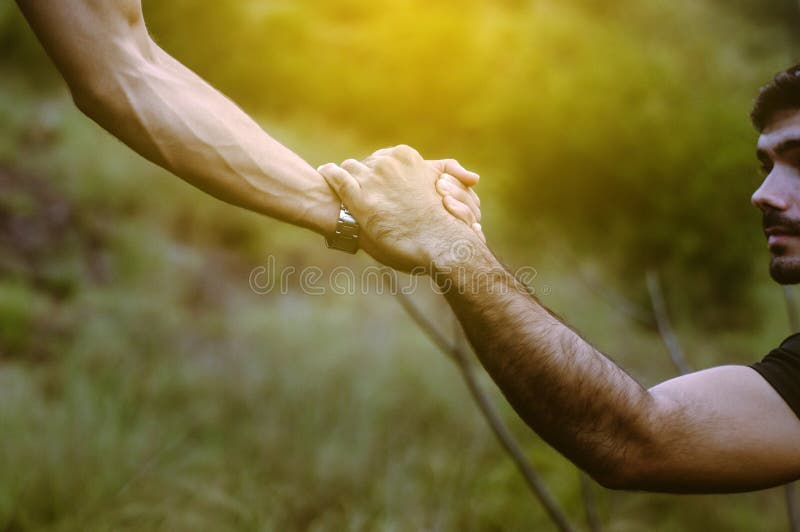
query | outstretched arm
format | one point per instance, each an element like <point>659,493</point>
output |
<point>724,429</point>
<point>122,80</point>
<point>720,430</point>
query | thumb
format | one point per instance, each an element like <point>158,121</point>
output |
<point>454,168</point>
<point>341,181</point>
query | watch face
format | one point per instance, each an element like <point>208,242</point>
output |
<point>346,236</point>
<point>346,217</point>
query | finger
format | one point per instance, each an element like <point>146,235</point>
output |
<point>449,185</point>
<point>459,210</point>
<point>342,182</point>
<point>474,196</point>
<point>479,230</point>
<point>454,168</point>
<point>356,168</point>
<point>377,155</point>
<point>406,153</point>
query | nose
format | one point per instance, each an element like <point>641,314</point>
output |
<point>772,194</point>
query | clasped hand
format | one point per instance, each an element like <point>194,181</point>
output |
<point>410,210</point>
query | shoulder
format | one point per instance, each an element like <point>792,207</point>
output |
<point>791,344</point>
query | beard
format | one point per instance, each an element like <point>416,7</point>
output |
<point>785,270</point>
<point>784,267</point>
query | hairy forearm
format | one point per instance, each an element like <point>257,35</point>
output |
<point>723,429</point>
<point>719,430</point>
<point>569,393</point>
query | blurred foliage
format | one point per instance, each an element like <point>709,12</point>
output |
<point>619,126</point>
<point>147,388</point>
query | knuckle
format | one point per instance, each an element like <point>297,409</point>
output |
<point>404,151</point>
<point>352,166</point>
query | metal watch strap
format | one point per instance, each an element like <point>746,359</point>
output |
<point>345,238</point>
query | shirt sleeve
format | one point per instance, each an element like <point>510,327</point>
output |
<point>781,369</point>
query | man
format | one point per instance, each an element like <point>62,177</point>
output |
<point>725,429</point>
<point>122,80</point>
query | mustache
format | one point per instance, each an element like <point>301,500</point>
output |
<point>776,219</point>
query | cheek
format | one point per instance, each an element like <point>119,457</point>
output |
<point>791,196</point>
<point>781,189</point>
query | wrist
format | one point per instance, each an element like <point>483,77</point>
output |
<point>467,266</point>
<point>346,236</point>
<point>460,249</point>
<point>323,209</point>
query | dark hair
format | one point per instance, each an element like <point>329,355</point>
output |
<point>780,94</point>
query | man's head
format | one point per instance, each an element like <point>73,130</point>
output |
<point>776,115</point>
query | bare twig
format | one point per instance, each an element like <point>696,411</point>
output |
<point>793,311</point>
<point>614,299</point>
<point>592,521</point>
<point>459,355</point>
<point>790,493</point>
<point>664,325</point>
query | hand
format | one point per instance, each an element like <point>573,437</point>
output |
<point>392,195</point>
<point>461,201</point>
<point>455,185</point>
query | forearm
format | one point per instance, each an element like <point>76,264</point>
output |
<point>175,119</point>
<point>719,430</point>
<point>121,79</point>
<point>569,393</point>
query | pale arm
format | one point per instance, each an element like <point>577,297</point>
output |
<point>122,80</point>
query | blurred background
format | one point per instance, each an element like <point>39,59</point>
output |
<point>145,386</point>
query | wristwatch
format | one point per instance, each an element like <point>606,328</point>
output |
<point>345,238</point>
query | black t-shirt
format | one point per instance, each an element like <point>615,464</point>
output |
<point>781,368</point>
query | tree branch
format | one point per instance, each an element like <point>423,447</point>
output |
<point>501,432</point>
<point>589,506</point>
<point>664,325</point>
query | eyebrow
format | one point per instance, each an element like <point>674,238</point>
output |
<point>785,146</point>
